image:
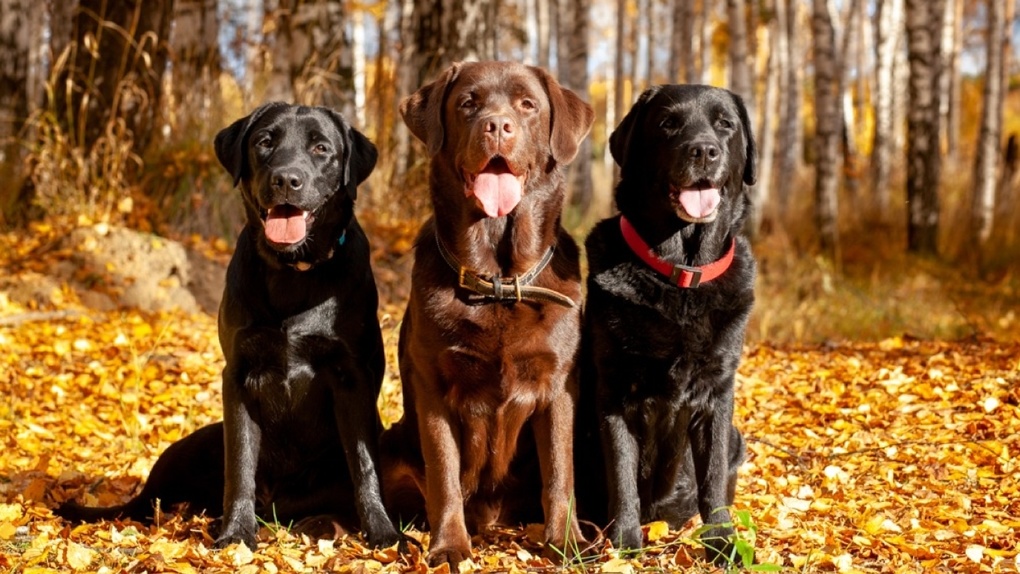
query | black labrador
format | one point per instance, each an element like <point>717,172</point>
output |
<point>303,348</point>
<point>669,292</point>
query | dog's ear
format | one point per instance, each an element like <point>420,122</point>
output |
<point>230,143</point>
<point>360,154</point>
<point>751,149</point>
<point>423,110</point>
<point>619,140</point>
<point>570,117</point>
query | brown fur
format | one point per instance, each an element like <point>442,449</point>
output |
<point>476,373</point>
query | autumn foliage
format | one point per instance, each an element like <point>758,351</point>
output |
<point>894,456</point>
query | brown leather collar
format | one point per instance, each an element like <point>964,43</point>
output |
<point>497,289</point>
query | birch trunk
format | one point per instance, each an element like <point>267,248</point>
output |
<point>888,34</point>
<point>986,162</point>
<point>924,25</point>
<point>827,126</point>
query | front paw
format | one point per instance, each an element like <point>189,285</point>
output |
<point>625,537</point>
<point>719,546</point>
<point>449,555</point>
<point>381,533</point>
<point>565,545</point>
<point>238,531</point>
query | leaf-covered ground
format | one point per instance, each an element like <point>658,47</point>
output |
<point>896,456</point>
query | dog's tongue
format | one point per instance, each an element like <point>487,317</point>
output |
<point>699,203</point>
<point>499,193</point>
<point>285,224</point>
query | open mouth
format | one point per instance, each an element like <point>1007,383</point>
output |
<point>286,224</point>
<point>496,187</point>
<point>696,203</point>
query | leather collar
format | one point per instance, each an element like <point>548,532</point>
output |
<point>497,289</point>
<point>681,275</point>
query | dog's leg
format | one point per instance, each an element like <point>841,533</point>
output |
<point>620,447</point>
<point>444,499</point>
<point>554,430</point>
<point>242,438</point>
<point>358,421</point>
<point>710,435</point>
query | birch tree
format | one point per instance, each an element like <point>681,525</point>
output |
<point>924,26</point>
<point>986,162</point>
<point>579,13</point>
<point>196,70</point>
<point>888,33</point>
<point>827,125</point>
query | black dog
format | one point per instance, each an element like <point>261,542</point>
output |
<point>298,328</point>
<point>670,289</point>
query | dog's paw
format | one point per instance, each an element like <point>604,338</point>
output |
<point>719,546</point>
<point>449,555</point>
<point>383,535</point>
<point>234,533</point>
<point>563,548</point>
<point>628,538</point>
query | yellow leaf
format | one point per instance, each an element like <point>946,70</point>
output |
<point>7,530</point>
<point>79,557</point>
<point>656,530</point>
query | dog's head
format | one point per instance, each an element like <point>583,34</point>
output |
<point>687,150</point>
<point>298,168</point>
<point>497,128</point>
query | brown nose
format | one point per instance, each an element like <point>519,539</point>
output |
<point>501,127</point>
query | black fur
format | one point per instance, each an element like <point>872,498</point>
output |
<point>303,349</point>
<point>659,360</point>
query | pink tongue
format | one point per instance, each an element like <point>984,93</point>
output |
<point>498,193</point>
<point>285,225</point>
<point>699,203</point>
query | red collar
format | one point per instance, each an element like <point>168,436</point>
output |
<point>682,275</point>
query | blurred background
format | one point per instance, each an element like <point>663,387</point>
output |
<point>887,129</point>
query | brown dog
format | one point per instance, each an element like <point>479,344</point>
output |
<point>490,336</point>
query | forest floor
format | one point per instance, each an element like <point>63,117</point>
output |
<point>881,408</point>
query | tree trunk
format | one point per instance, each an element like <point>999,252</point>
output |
<point>15,47</point>
<point>311,54</point>
<point>845,39</point>
<point>761,194</point>
<point>924,25</point>
<point>116,69</point>
<point>986,161</point>
<point>578,13</point>
<point>542,31</point>
<point>791,129</point>
<point>196,69</point>
<point>888,34</point>
<point>682,66</point>
<point>827,126</point>
<point>951,85</point>
<point>704,36</point>
<point>741,73</point>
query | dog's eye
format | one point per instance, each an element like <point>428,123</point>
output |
<point>529,104</point>
<point>264,143</point>
<point>669,124</point>
<point>725,124</point>
<point>320,149</point>
<point>468,104</point>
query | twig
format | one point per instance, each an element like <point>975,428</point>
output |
<point>33,316</point>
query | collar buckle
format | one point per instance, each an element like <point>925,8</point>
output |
<point>686,276</point>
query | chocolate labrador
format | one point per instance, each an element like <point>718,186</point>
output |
<point>670,289</point>
<point>490,335</point>
<point>303,349</point>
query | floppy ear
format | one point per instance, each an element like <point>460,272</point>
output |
<point>230,143</point>
<point>619,140</point>
<point>751,150</point>
<point>569,115</point>
<point>423,110</point>
<point>360,154</point>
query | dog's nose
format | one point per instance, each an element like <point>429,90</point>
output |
<point>287,180</point>
<point>500,126</point>
<point>705,153</point>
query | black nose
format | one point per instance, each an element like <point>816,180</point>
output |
<point>703,153</point>
<point>286,180</point>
